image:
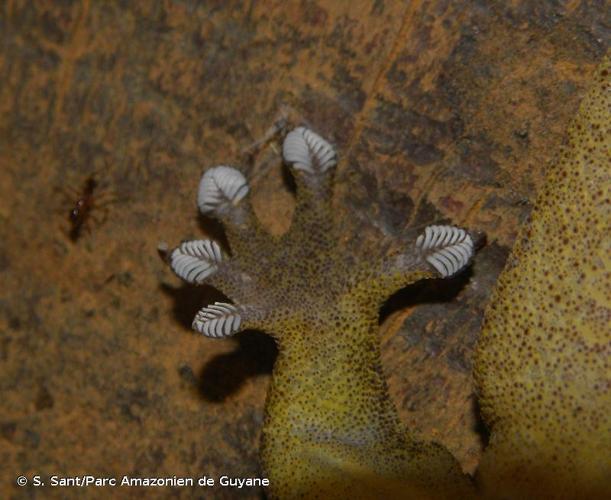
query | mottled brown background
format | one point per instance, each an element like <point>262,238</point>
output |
<point>440,110</point>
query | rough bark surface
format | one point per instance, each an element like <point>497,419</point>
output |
<point>441,111</point>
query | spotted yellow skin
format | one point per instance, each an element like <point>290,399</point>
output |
<point>542,363</point>
<point>330,428</point>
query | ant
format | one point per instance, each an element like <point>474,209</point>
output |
<point>88,199</point>
<point>79,215</point>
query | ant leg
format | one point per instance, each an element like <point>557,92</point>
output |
<point>70,193</point>
<point>67,231</point>
<point>105,199</point>
<point>101,218</point>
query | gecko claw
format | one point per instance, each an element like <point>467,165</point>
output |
<point>447,248</point>
<point>308,152</point>
<point>220,189</point>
